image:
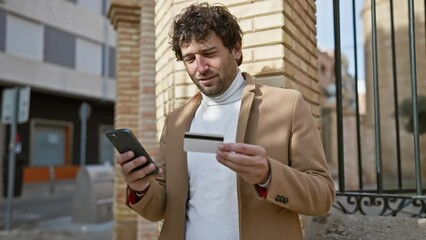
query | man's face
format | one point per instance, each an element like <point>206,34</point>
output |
<point>211,66</point>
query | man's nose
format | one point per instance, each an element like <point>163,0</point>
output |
<point>202,64</point>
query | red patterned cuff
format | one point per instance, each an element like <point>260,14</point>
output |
<point>132,198</point>
<point>263,192</point>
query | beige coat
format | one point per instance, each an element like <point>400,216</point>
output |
<point>274,118</point>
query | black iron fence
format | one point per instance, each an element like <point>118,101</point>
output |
<point>391,183</point>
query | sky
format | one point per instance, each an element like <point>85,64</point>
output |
<point>325,32</point>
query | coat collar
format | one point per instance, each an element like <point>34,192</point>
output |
<point>246,103</point>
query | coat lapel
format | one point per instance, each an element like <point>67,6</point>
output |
<point>182,124</point>
<point>246,103</point>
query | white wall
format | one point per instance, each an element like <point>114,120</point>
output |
<point>93,5</point>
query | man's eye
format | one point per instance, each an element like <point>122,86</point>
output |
<point>209,54</point>
<point>188,59</point>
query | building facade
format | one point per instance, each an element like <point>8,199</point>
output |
<point>64,50</point>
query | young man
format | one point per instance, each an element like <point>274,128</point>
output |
<point>270,168</point>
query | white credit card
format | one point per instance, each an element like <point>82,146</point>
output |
<point>201,142</point>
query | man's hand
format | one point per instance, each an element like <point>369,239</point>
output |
<point>248,161</point>
<point>137,180</point>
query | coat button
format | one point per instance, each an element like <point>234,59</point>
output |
<point>281,198</point>
<point>278,198</point>
<point>285,200</point>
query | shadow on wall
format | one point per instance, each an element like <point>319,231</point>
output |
<point>406,113</point>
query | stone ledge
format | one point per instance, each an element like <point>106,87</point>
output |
<point>340,226</point>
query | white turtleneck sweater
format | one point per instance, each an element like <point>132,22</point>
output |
<point>212,209</point>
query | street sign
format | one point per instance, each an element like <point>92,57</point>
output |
<point>84,111</point>
<point>24,104</point>
<point>8,105</point>
<point>11,104</point>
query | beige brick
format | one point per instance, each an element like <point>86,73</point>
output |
<point>268,52</point>
<point>246,25</point>
<point>267,37</point>
<point>248,55</point>
<point>257,8</point>
<point>271,21</point>
<point>230,3</point>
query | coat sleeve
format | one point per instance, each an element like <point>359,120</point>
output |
<point>305,185</point>
<point>153,204</point>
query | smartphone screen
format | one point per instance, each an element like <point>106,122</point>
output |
<point>123,140</point>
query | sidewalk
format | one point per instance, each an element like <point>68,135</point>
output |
<point>40,213</point>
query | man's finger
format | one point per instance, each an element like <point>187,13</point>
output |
<point>241,148</point>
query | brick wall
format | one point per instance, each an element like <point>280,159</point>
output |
<point>135,99</point>
<point>147,119</point>
<point>279,48</point>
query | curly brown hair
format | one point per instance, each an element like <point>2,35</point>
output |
<point>198,20</point>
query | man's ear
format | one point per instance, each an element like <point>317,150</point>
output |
<point>237,52</point>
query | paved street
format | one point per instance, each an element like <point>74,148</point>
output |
<point>41,213</point>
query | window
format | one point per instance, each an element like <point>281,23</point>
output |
<point>111,62</point>
<point>2,30</point>
<point>24,38</point>
<point>50,144</point>
<point>59,47</point>
<point>88,57</point>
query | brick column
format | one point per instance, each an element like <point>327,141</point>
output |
<point>147,120</point>
<point>301,53</point>
<point>125,17</point>
<point>279,45</point>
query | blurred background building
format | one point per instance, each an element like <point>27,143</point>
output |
<point>395,89</point>
<point>327,78</point>
<point>394,99</point>
<point>65,51</point>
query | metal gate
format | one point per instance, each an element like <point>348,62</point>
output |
<point>389,139</point>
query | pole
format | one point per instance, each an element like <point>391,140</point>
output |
<point>84,115</point>
<point>11,170</point>
<point>83,143</point>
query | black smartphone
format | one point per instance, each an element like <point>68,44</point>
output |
<point>124,140</point>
